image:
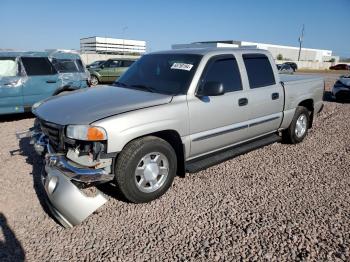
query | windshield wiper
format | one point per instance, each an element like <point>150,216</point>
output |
<point>148,88</point>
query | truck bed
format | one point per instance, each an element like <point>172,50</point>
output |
<point>299,78</point>
<point>301,87</point>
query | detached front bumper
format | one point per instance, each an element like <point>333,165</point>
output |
<point>61,180</point>
<point>67,202</point>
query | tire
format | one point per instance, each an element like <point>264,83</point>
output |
<point>94,80</point>
<point>298,128</point>
<point>145,169</point>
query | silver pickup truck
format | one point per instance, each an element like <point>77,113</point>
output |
<point>172,112</point>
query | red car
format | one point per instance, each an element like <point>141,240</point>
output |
<point>340,67</point>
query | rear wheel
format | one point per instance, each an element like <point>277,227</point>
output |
<point>145,169</point>
<point>297,130</point>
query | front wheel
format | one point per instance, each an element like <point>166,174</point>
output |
<point>145,169</point>
<point>94,80</point>
<point>297,130</point>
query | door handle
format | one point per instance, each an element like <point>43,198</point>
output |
<point>242,101</point>
<point>51,81</point>
<point>275,96</point>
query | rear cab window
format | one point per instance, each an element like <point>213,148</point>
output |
<point>223,69</point>
<point>259,70</point>
<point>8,67</point>
<point>36,66</point>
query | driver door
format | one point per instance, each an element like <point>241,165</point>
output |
<point>217,121</point>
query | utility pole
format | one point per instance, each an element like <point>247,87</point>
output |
<point>301,38</point>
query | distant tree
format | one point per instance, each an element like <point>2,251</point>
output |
<point>279,57</point>
<point>332,60</point>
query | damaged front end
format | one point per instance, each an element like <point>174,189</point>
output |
<point>71,167</point>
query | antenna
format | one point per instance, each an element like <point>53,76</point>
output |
<point>301,38</point>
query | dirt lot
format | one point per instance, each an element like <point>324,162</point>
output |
<point>282,202</point>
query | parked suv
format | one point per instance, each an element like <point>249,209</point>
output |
<point>28,77</point>
<point>109,71</point>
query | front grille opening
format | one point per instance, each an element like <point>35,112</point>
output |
<point>54,133</point>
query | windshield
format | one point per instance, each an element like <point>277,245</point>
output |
<point>161,73</point>
<point>8,66</point>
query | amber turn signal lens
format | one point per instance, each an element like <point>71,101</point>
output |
<point>95,134</point>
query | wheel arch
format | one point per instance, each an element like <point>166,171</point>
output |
<point>174,139</point>
<point>98,76</point>
<point>309,104</point>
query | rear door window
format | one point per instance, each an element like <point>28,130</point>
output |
<point>259,70</point>
<point>65,65</point>
<point>35,66</point>
<point>224,69</point>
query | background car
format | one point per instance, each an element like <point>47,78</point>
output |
<point>285,69</point>
<point>341,89</point>
<point>96,64</point>
<point>340,67</point>
<point>29,77</point>
<point>292,65</point>
<point>109,71</point>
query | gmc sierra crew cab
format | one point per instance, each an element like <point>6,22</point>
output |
<point>170,113</point>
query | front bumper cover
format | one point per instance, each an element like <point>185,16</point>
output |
<point>66,201</point>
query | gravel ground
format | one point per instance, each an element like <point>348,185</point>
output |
<point>282,202</point>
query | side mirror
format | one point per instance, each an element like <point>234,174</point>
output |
<point>211,89</point>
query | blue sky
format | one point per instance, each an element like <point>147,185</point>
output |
<point>37,25</point>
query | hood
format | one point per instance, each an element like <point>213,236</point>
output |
<point>91,104</point>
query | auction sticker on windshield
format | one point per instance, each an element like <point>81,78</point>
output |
<point>182,66</point>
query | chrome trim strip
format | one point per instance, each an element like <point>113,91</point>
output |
<point>220,133</point>
<point>235,129</point>
<point>85,175</point>
<point>264,121</point>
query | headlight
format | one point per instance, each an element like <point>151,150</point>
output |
<point>87,133</point>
